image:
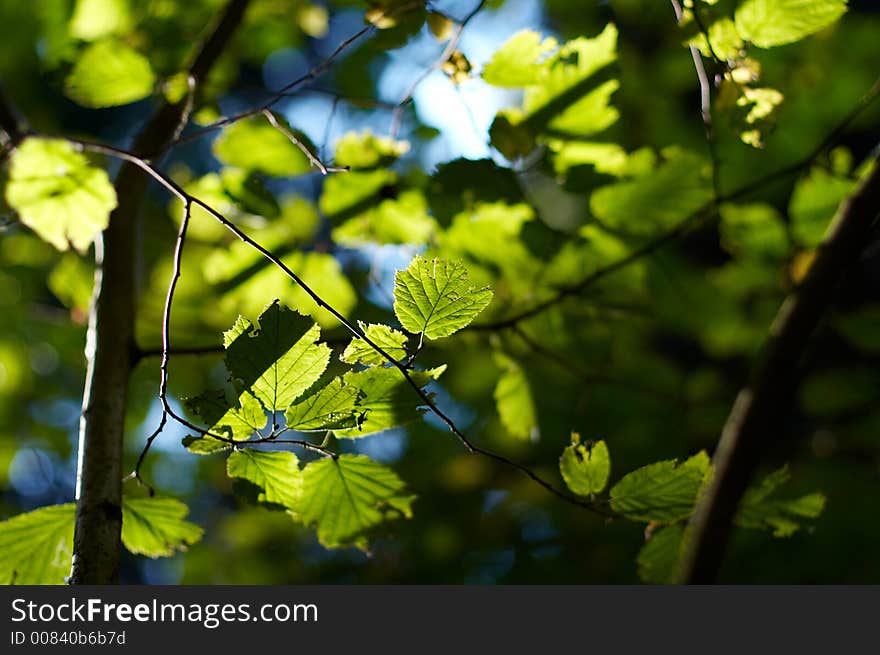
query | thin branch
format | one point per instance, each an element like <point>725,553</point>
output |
<point>397,114</point>
<point>705,94</point>
<point>313,159</point>
<point>754,421</point>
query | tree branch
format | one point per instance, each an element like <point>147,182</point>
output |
<point>760,406</point>
<point>110,343</point>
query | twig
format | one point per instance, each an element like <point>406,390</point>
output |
<point>397,113</point>
<point>313,159</point>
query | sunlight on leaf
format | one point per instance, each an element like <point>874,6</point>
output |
<point>37,547</point>
<point>155,526</point>
<point>585,467</point>
<point>109,73</point>
<point>58,194</point>
<point>276,473</point>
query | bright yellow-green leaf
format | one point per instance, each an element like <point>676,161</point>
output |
<point>278,359</point>
<point>155,527</point>
<point>239,422</point>
<point>346,496</point>
<point>520,61</point>
<point>434,297</point>
<point>665,491</point>
<point>387,400</point>
<point>768,23</point>
<point>389,339</point>
<point>37,547</point>
<point>58,194</point>
<point>401,220</point>
<point>585,467</point>
<point>276,473</point>
<point>95,19</point>
<point>333,407</point>
<point>366,150</point>
<point>109,73</point>
<point>256,145</point>
<point>514,400</point>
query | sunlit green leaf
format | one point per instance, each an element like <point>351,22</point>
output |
<point>276,473</point>
<point>58,194</point>
<point>346,496</point>
<point>256,145</point>
<point>665,491</point>
<point>768,23</point>
<point>360,150</point>
<point>277,359</point>
<point>514,399</point>
<point>109,73</point>
<point>519,62</point>
<point>95,19</point>
<point>387,400</point>
<point>753,231</point>
<point>334,407</point>
<point>585,467</point>
<point>239,421</point>
<point>389,339</point>
<point>37,547</point>
<point>155,526</point>
<point>434,297</point>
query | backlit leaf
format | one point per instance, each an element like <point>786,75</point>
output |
<point>37,547</point>
<point>155,526</point>
<point>768,23</point>
<point>58,194</point>
<point>585,467</point>
<point>346,496</point>
<point>333,407</point>
<point>276,473</point>
<point>389,339</point>
<point>109,73</point>
<point>665,491</point>
<point>434,297</point>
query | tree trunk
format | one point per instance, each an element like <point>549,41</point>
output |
<point>110,343</point>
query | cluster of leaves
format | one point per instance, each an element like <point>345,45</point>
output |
<point>664,494</point>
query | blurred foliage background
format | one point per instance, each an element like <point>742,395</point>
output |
<point>649,360</point>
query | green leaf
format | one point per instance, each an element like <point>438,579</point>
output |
<point>109,73</point>
<point>389,339</point>
<point>813,203</point>
<point>657,201</point>
<point>433,297</point>
<point>768,23</point>
<point>346,496</point>
<point>58,194</point>
<point>513,398</point>
<point>859,328</point>
<point>238,422</point>
<point>365,150</point>
<point>585,467</point>
<point>352,193</point>
<point>155,527</point>
<point>256,145</point>
<point>665,491</point>
<point>761,508</point>
<point>387,401</point>
<point>520,61</point>
<point>95,19</point>
<point>334,407</point>
<point>400,220</point>
<point>37,547</point>
<point>276,473</point>
<point>658,557</point>
<point>278,359</point>
<point>754,231</point>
